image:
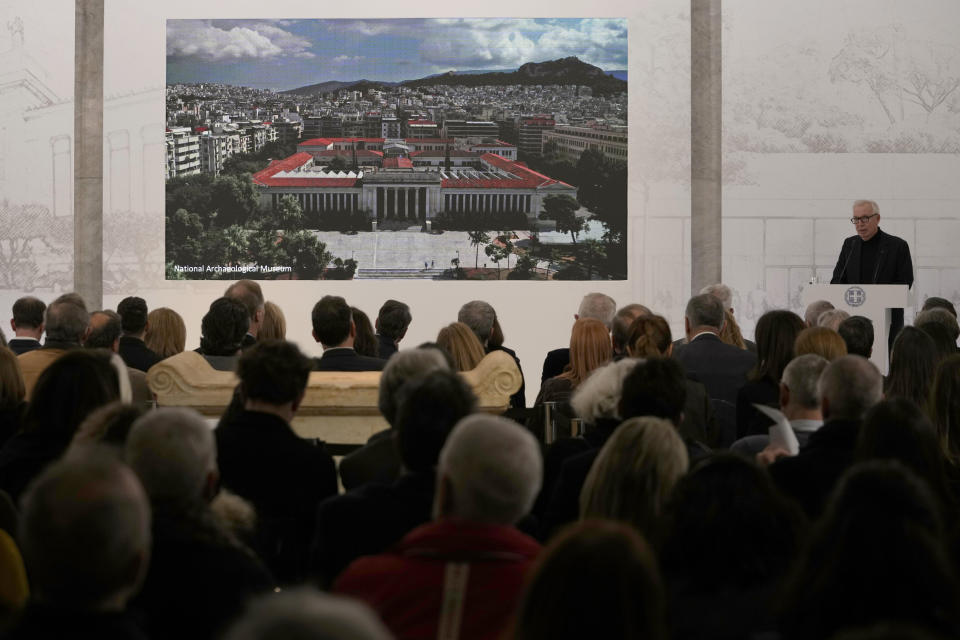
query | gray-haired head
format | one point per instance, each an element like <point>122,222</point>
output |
<point>813,311</point>
<point>85,532</point>
<point>598,397</point>
<point>831,318</point>
<point>620,331</point>
<point>173,452</point>
<point>848,387</point>
<point>941,316</point>
<point>598,306</point>
<point>490,470</point>
<point>479,316</point>
<point>307,614</point>
<point>721,292</point>
<point>705,310</point>
<point>801,376</point>
<point>874,207</point>
<point>402,366</point>
<point>66,319</point>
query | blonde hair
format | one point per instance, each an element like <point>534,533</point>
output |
<point>166,333</point>
<point>821,341</point>
<point>635,473</point>
<point>730,332</point>
<point>590,348</point>
<point>12,388</point>
<point>462,344</point>
<point>274,325</point>
<point>649,337</point>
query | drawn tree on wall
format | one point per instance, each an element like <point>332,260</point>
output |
<point>27,232</point>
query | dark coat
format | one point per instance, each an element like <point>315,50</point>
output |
<point>376,461</point>
<point>894,265</point>
<point>22,345</point>
<point>387,347</point>
<point>751,422</point>
<point>346,359</point>
<point>554,363</point>
<point>41,621</point>
<point>136,355</point>
<point>368,521</point>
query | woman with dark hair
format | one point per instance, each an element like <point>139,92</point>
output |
<point>944,409</point>
<point>12,394</point>
<point>223,328</point>
<point>913,363</point>
<point>597,579</point>
<point>67,391</point>
<point>942,338</point>
<point>365,342</point>
<point>877,554</point>
<point>776,334</point>
<point>728,540</point>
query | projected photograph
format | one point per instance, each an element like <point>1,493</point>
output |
<point>462,149</point>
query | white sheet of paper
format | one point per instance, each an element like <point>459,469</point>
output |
<point>781,433</point>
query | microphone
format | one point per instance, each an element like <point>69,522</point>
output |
<point>845,264</point>
<point>876,272</point>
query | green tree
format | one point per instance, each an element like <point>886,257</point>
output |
<point>184,233</point>
<point>342,269</point>
<point>235,200</point>
<point>497,253</point>
<point>592,254</point>
<point>305,254</point>
<point>477,238</point>
<point>563,209</point>
<point>241,164</point>
<point>224,247</point>
<point>265,248</point>
<point>288,215</point>
<point>191,193</point>
<point>338,163</point>
<point>524,269</point>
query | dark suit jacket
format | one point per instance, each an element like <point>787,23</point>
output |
<point>751,422</point>
<point>22,345</point>
<point>346,359</point>
<point>894,265</point>
<point>721,367</point>
<point>386,348</point>
<point>136,355</point>
<point>810,476</point>
<point>376,461</point>
<point>554,363</point>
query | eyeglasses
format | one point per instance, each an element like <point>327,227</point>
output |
<point>863,219</point>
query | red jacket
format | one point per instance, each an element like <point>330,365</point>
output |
<point>465,577</point>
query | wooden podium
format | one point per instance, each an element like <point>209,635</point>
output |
<point>872,301</point>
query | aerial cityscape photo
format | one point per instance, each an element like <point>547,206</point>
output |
<point>462,149</point>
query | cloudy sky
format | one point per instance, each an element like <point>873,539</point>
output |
<point>284,54</point>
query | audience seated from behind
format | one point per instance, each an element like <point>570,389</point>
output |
<point>471,555</point>
<point>877,555</point>
<point>776,332</point>
<point>66,323</point>
<point>369,519</point>
<point>307,614</point>
<point>913,363</point>
<point>335,330</point>
<point>66,393</point>
<point>274,325</point>
<point>249,294</point>
<point>598,306</point>
<point>857,334</point>
<point>134,320</point>
<point>728,540</point>
<point>104,332</point>
<point>820,341</point>
<point>936,302</point>
<point>813,311</point>
<point>460,343</point>
<point>379,460</point>
<point>262,460</point>
<point>108,425</point>
<point>222,330</point>
<point>393,320</point>
<point>200,575</point>
<point>832,318</point>
<point>365,342</point>
<point>945,410</point>
<point>620,328</point>
<point>596,579</point>
<point>12,394</point>
<point>847,388</point>
<point>798,401</point>
<point>482,320</point>
<point>27,324</point>
<point>85,538</point>
<point>939,316</point>
<point>166,333</point>
<point>730,333</point>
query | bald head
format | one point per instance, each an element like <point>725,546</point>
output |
<point>104,331</point>
<point>85,532</point>
<point>490,470</point>
<point>848,387</point>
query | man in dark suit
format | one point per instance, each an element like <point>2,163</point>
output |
<point>250,295</point>
<point>874,257</point>
<point>392,322</point>
<point>334,329</point>
<point>133,323</point>
<point>27,324</point>
<point>264,461</point>
<point>599,306</point>
<point>722,368</point>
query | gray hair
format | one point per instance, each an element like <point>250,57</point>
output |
<point>598,397</point>
<point>800,376</point>
<point>479,316</point>
<point>402,366</point>
<point>620,331</point>
<point>307,614</point>
<point>66,320</point>
<point>705,310</point>
<point>721,292</point>
<point>493,467</point>
<point>813,311</point>
<point>874,207</point>
<point>831,318</point>
<point>850,385</point>
<point>104,335</point>
<point>85,523</point>
<point>173,451</point>
<point>598,306</point>
<point>939,315</point>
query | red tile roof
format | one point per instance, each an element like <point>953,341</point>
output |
<point>397,163</point>
<point>523,178</point>
<point>313,142</point>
